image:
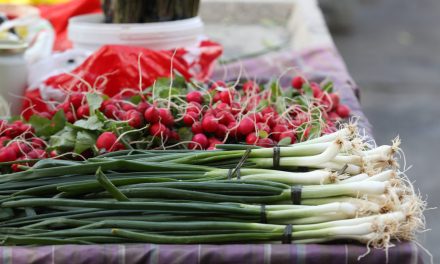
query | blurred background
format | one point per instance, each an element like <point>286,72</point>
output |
<point>392,50</point>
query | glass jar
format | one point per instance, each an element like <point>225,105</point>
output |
<point>145,11</point>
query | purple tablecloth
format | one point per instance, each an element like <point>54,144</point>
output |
<point>405,253</point>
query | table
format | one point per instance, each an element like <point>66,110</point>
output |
<point>405,253</point>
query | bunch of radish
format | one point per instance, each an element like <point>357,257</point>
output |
<point>334,109</point>
<point>18,142</point>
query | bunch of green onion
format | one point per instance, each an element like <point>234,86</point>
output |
<point>335,187</point>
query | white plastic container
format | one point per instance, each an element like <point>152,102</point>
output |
<point>88,32</point>
<point>13,74</point>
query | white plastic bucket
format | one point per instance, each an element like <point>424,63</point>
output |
<point>88,32</point>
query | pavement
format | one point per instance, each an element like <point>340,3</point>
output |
<point>392,51</point>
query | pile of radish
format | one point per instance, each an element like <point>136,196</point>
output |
<point>175,113</point>
<point>18,142</point>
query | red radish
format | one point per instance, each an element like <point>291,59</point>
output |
<point>317,92</point>
<point>288,134</point>
<point>53,154</point>
<point>142,107</point>
<point>209,123</point>
<point>298,82</point>
<point>256,117</point>
<point>227,97</point>
<point>20,147</point>
<point>334,116</point>
<point>166,117</point>
<point>105,103</point>
<point>7,154</point>
<point>252,139</point>
<point>190,117</point>
<point>268,110</point>
<point>223,106</point>
<point>174,135</point>
<point>83,111</point>
<point>221,131</point>
<point>306,133</point>
<point>37,154</point>
<point>201,139</point>
<point>270,119</point>
<point>330,123</point>
<point>265,142</point>
<point>235,108</point>
<point>77,99</point>
<point>16,167</point>
<point>225,117</point>
<point>152,115</point>
<point>211,111</point>
<point>194,96</point>
<point>216,97</point>
<point>127,107</point>
<point>159,130</point>
<point>277,130</point>
<point>217,84</point>
<point>194,107</point>
<point>251,87</point>
<point>134,118</point>
<point>232,128</point>
<point>246,126</point>
<point>111,111</point>
<point>343,111</point>
<point>197,128</point>
<point>334,98</point>
<point>106,141</point>
<point>70,117</point>
<point>213,141</point>
<point>45,115</point>
<point>263,127</point>
<point>252,102</point>
<point>117,146</point>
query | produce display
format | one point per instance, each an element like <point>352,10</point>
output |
<point>184,162</point>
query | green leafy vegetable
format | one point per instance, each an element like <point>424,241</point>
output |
<point>45,127</point>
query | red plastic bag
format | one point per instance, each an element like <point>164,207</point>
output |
<point>113,68</point>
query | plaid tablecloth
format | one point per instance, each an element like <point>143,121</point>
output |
<point>405,253</point>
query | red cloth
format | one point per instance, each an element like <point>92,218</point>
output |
<point>59,16</point>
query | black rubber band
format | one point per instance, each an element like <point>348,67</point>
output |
<point>287,235</point>
<point>263,217</point>
<point>295,194</point>
<point>230,173</point>
<point>241,163</point>
<point>343,169</point>
<point>276,157</point>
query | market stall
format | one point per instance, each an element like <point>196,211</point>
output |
<point>314,59</point>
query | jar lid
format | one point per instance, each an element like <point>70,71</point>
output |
<point>8,47</point>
